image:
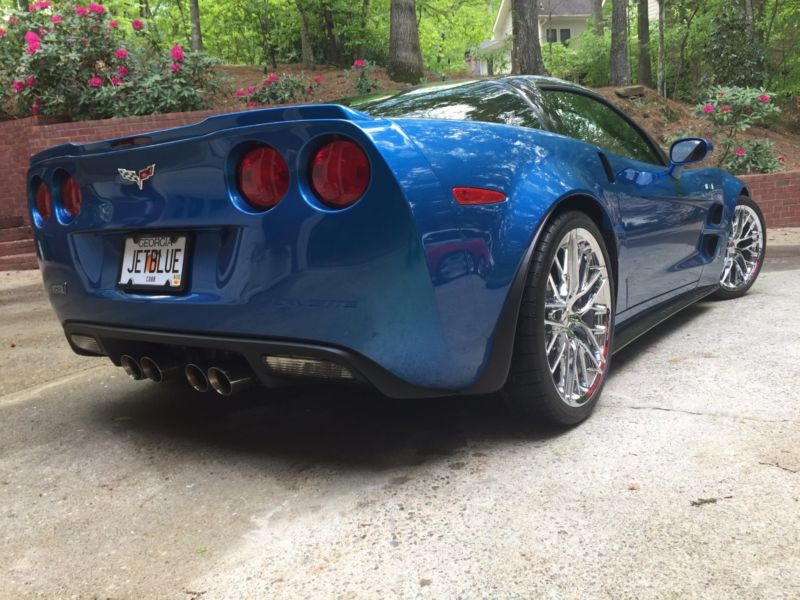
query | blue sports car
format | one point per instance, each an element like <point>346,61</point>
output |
<point>502,235</point>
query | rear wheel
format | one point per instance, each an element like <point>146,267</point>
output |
<point>744,254</point>
<point>563,344</point>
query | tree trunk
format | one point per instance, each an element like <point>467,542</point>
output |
<point>645,67</point>
<point>526,51</point>
<point>183,23</point>
<point>748,12</point>
<point>194,17</point>
<point>333,46</point>
<point>364,15</point>
<point>23,5</point>
<point>620,66</point>
<point>662,83</point>
<point>405,57</point>
<point>305,42</point>
<point>597,17</point>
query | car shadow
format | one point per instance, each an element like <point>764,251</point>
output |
<point>333,424</point>
<point>318,425</point>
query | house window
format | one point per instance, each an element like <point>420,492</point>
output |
<point>552,36</point>
<point>565,35</point>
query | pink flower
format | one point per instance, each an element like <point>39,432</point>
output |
<point>2,32</point>
<point>252,104</point>
<point>30,81</point>
<point>31,37</point>
<point>122,71</point>
<point>95,81</point>
<point>708,108</point>
<point>726,108</point>
<point>740,152</point>
<point>116,81</point>
<point>239,93</point>
<point>96,8</point>
<point>36,109</point>
<point>18,86</point>
<point>137,25</point>
<point>41,5</point>
<point>81,11</point>
<point>272,78</point>
<point>359,63</point>
<point>175,67</point>
<point>763,99</point>
<point>113,24</point>
<point>317,79</point>
<point>177,53</point>
<point>56,19</point>
<point>782,158</point>
<point>34,47</point>
<point>251,90</point>
<point>121,53</point>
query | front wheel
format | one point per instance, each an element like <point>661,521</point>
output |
<point>744,254</point>
<point>562,349</point>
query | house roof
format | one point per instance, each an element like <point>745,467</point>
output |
<point>565,8</point>
<point>547,8</point>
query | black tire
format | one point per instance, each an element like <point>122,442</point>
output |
<point>727,293</point>
<point>530,389</point>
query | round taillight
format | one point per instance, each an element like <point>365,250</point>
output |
<point>44,203</point>
<point>263,177</point>
<point>71,196</point>
<point>339,173</point>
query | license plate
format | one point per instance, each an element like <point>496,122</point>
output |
<point>154,262</point>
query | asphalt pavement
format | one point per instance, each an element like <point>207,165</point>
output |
<point>685,482</point>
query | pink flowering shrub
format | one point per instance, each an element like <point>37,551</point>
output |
<point>364,84</point>
<point>731,111</point>
<point>275,89</point>
<point>74,61</point>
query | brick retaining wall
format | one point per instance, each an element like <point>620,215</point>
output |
<point>778,196</point>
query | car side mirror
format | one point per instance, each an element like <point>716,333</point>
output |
<point>687,151</point>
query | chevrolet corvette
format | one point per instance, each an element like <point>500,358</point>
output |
<point>499,236</point>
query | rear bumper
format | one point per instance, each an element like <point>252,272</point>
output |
<point>115,341</point>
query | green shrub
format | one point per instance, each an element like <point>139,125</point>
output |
<point>731,111</point>
<point>364,83</point>
<point>74,61</point>
<point>276,89</point>
<point>752,156</point>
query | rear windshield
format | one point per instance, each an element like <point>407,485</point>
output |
<point>485,101</point>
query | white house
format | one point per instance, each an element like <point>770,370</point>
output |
<point>559,22</point>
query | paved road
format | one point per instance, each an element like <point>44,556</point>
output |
<point>685,481</point>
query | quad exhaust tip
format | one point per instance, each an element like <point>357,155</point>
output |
<point>131,367</point>
<point>157,369</point>
<point>196,376</point>
<point>228,379</point>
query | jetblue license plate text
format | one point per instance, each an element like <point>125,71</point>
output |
<point>153,261</point>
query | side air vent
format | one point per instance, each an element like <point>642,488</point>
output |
<point>715,215</point>
<point>710,243</point>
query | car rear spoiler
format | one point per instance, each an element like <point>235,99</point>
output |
<point>205,127</point>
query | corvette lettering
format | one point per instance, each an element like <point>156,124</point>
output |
<point>138,177</point>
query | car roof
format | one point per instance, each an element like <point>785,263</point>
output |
<point>537,80</point>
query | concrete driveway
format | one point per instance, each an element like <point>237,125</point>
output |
<point>684,483</point>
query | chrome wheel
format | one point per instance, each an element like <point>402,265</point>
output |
<point>743,253</point>
<point>577,317</point>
